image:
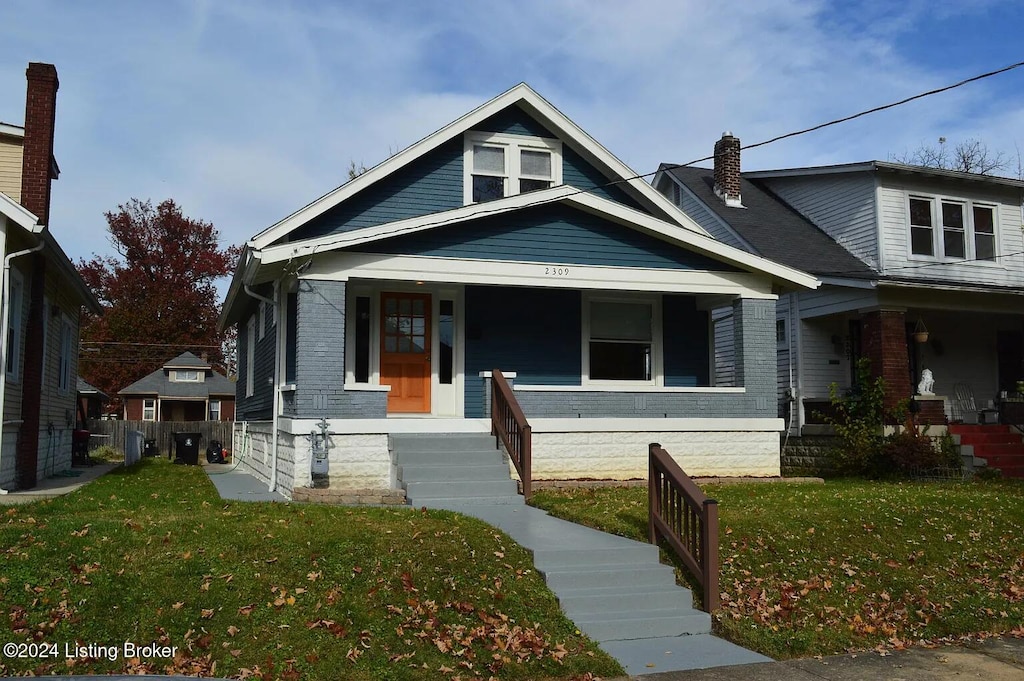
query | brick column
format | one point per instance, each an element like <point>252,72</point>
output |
<point>884,343</point>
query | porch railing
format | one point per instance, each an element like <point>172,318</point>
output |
<point>682,515</point>
<point>509,423</point>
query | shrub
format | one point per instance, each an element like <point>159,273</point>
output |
<point>858,422</point>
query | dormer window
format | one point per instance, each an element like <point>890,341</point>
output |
<point>499,165</point>
<point>186,376</point>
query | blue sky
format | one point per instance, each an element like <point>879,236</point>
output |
<point>243,111</point>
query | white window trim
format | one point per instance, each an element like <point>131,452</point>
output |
<point>16,324</point>
<point>938,230</point>
<point>64,375</point>
<point>250,352</point>
<point>657,350</point>
<point>512,145</point>
<point>144,401</point>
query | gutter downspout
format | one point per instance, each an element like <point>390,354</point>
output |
<point>275,419</point>
<point>6,320</point>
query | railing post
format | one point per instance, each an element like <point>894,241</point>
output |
<point>527,456</point>
<point>709,547</point>
<point>652,495</point>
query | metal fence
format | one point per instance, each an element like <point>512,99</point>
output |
<point>115,433</point>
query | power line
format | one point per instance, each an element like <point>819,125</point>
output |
<point>670,166</point>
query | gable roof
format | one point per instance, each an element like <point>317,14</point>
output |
<point>85,388</point>
<point>523,96</point>
<point>159,383</point>
<point>771,228</point>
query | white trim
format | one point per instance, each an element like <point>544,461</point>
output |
<point>605,208</point>
<point>970,256</point>
<point>490,374</point>
<point>154,401</point>
<point>535,106</point>
<point>12,130</point>
<point>657,350</point>
<point>627,387</point>
<point>366,388</point>
<point>511,145</point>
<point>542,425</point>
<point>19,214</point>
<point>342,266</point>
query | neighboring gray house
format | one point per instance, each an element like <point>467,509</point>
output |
<point>899,249</point>
<point>509,240</point>
<point>186,388</point>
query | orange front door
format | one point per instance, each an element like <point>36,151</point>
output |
<point>405,351</point>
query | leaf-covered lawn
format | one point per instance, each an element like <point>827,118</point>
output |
<point>849,565</point>
<point>150,554</point>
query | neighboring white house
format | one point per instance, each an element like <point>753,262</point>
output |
<point>898,249</point>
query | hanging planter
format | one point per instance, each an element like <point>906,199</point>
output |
<point>920,332</point>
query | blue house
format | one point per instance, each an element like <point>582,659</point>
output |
<point>510,240</point>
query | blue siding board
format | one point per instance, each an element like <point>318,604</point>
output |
<point>534,332</point>
<point>514,121</point>
<point>430,184</point>
<point>580,174</point>
<point>552,233</point>
<point>686,342</point>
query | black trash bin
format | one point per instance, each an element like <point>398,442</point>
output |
<point>149,448</point>
<point>186,448</point>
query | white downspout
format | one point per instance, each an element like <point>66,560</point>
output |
<point>6,320</point>
<point>275,419</point>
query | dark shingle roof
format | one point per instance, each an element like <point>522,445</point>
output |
<point>85,388</point>
<point>159,383</point>
<point>773,229</point>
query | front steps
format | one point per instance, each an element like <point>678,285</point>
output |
<point>438,470</point>
<point>998,445</point>
<point>614,589</point>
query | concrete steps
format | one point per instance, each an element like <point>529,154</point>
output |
<point>997,445</point>
<point>463,469</point>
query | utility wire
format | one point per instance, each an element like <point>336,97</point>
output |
<point>670,166</point>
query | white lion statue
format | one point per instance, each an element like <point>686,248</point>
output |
<point>927,384</point>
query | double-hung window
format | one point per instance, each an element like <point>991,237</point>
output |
<point>620,342</point>
<point>500,165</point>
<point>148,410</point>
<point>214,410</point>
<point>952,228</point>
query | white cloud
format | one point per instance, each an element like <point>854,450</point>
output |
<point>245,111</point>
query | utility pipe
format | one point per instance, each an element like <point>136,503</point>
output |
<point>275,418</point>
<point>6,320</point>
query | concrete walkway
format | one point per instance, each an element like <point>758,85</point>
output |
<point>542,534</point>
<point>235,485</point>
<point>992,660</point>
<point>58,485</point>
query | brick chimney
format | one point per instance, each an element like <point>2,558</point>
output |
<point>38,167</point>
<point>727,169</point>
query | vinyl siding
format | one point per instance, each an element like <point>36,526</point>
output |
<point>894,201</point>
<point>824,363</point>
<point>533,332</point>
<point>13,390</point>
<point>10,167</point>
<point>725,347</point>
<point>58,407</point>
<point>261,404</point>
<point>430,184</point>
<point>829,300</point>
<point>550,234</point>
<point>842,205</point>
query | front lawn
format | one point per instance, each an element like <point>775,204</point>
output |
<point>151,554</point>
<point>849,565</point>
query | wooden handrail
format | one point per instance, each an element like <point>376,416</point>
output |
<point>509,423</point>
<point>682,515</point>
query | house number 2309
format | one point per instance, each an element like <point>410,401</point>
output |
<point>556,271</point>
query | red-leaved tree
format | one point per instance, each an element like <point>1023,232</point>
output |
<point>158,295</point>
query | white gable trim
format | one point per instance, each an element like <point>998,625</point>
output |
<point>535,105</point>
<point>18,214</point>
<point>597,205</point>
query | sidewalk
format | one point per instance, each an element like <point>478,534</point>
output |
<point>992,660</point>
<point>58,485</point>
<point>236,485</point>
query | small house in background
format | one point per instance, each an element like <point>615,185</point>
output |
<point>90,401</point>
<point>186,388</point>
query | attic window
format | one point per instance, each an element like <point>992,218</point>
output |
<point>499,165</point>
<point>186,376</point>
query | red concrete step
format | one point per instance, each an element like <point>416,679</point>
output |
<point>990,438</point>
<point>983,450</point>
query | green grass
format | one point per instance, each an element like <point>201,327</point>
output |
<point>151,553</point>
<point>850,565</point>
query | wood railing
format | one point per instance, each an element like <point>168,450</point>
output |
<point>682,515</point>
<point>509,423</point>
